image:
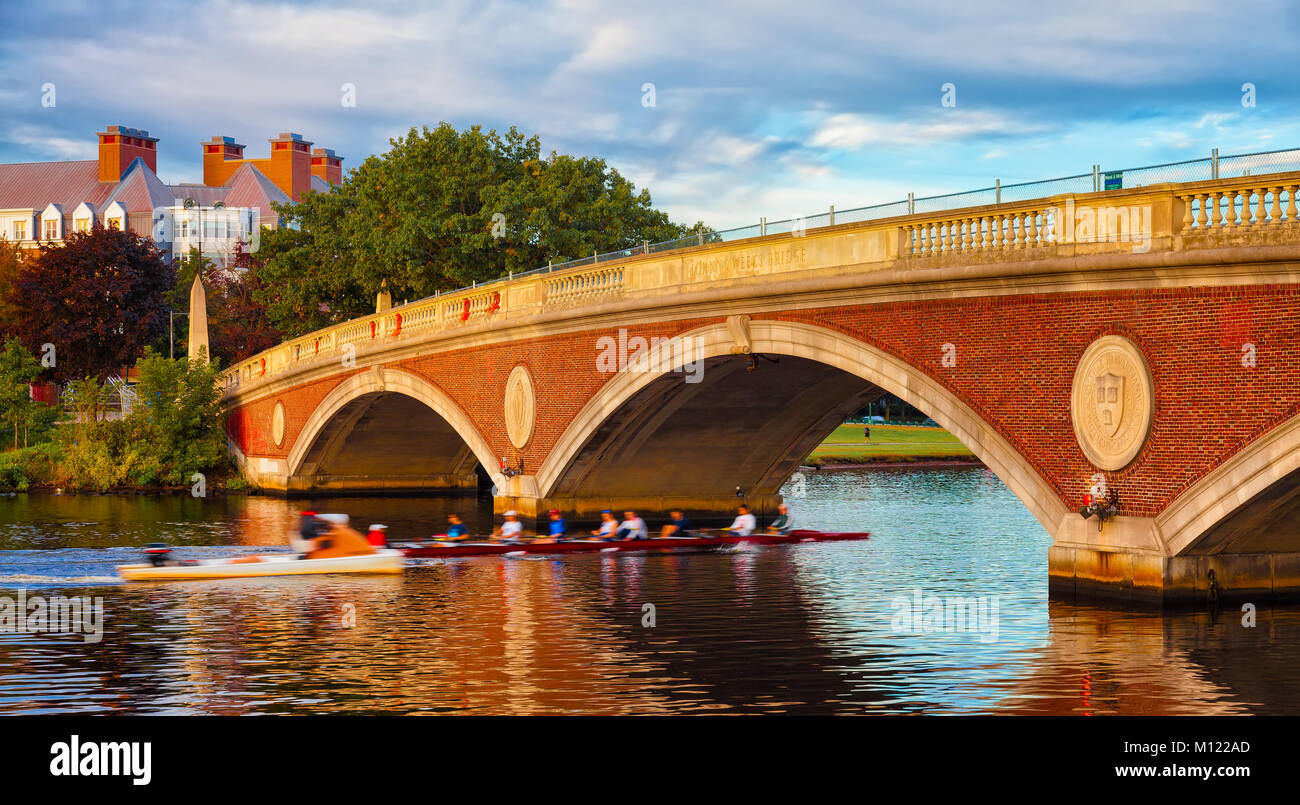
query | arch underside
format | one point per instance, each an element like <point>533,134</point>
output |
<point>1269,522</point>
<point>384,440</point>
<point>652,430</point>
<point>678,441</point>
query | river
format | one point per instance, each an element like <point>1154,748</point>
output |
<point>805,629</point>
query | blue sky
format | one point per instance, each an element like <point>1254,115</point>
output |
<point>774,109</point>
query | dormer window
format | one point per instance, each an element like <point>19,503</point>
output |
<point>114,223</point>
<point>51,229</point>
<point>82,224</point>
<point>20,230</point>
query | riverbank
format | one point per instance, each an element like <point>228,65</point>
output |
<point>891,445</point>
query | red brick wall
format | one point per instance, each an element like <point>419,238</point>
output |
<point>1016,357</point>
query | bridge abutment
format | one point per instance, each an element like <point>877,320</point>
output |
<point>1150,579</point>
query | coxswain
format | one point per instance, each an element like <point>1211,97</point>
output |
<point>607,525</point>
<point>783,523</point>
<point>511,530</point>
<point>632,527</point>
<point>744,524</point>
<point>377,537</point>
<point>677,525</point>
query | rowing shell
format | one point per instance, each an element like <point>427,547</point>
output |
<point>383,561</point>
<point>623,546</point>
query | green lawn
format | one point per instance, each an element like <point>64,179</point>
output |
<point>889,444</point>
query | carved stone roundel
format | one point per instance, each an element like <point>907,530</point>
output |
<point>1112,402</point>
<point>521,407</point>
<point>277,424</point>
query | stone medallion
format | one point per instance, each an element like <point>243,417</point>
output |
<point>277,424</point>
<point>1112,402</point>
<point>521,407</point>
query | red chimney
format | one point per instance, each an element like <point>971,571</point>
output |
<point>217,153</point>
<point>327,165</point>
<point>119,145</point>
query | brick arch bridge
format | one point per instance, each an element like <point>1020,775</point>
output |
<point>671,378</point>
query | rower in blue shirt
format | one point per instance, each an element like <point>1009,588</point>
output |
<point>456,530</point>
<point>557,525</point>
<point>677,525</point>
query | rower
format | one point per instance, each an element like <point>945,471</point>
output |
<point>511,529</point>
<point>377,537</point>
<point>607,525</point>
<point>557,524</point>
<point>744,524</point>
<point>456,529</point>
<point>632,527</point>
<point>784,523</point>
<point>677,526</point>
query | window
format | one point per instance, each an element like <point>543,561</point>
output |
<point>51,229</point>
<point>20,230</point>
<point>114,223</point>
<point>185,229</point>
<point>83,224</point>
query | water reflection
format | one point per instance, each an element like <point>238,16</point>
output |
<point>801,629</point>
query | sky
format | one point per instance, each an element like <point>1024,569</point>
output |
<point>725,111</point>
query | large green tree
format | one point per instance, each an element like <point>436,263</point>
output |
<point>99,299</point>
<point>441,209</point>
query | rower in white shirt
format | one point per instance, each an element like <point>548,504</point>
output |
<point>744,524</point>
<point>511,529</point>
<point>632,527</point>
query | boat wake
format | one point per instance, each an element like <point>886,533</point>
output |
<point>29,578</point>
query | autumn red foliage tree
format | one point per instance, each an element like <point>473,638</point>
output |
<point>98,298</point>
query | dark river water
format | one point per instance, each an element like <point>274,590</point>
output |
<point>806,629</point>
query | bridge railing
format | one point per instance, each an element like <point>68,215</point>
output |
<point>1249,204</point>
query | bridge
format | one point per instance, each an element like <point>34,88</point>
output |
<point>1142,339</point>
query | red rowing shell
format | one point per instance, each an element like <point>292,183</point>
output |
<point>593,545</point>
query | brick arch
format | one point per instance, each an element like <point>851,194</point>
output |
<point>834,349</point>
<point>1229,487</point>
<point>388,381</point>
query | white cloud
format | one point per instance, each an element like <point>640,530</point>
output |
<point>852,131</point>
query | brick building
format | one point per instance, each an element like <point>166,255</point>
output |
<point>44,201</point>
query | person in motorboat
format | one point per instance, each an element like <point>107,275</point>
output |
<point>607,525</point>
<point>677,525</point>
<point>632,527</point>
<point>744,524</point>
<point>784,523</point>
<point>377,536</point>
<point>556,532</point>
<point>511,530</point>
<point>338,539</point>
<point>310,526</point>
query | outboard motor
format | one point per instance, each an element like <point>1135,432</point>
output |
<point>158,554</point>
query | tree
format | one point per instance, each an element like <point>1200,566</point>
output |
<point>177,419</point>
<point>18,368</point>
<point>98,298</point>
<point>11,262</point>
<point>440,210</point>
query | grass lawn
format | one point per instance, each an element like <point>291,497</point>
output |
<point>889,444</point>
